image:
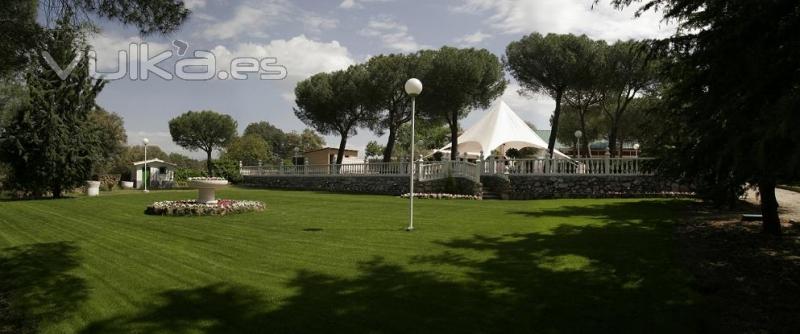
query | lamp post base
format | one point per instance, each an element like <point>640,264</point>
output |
<point>409,229</point>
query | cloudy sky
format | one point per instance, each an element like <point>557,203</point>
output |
<point>311,36</point>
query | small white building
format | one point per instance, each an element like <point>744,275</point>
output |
<point>159,173</point>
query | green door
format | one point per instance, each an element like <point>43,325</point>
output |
<point>146,176</point>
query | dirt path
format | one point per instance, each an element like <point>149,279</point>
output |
<point>788,200</point>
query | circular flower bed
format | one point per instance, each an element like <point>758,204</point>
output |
<point>441,196</point>
<point>191,207</point>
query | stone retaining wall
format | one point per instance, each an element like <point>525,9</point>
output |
<point>382,185</point>
<point>581,186</point>
<point>518,187</point>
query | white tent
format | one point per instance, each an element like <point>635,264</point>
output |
<point>500,128</point>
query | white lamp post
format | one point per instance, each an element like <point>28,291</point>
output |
<point>636,149</point>
<point>146,174</point>
<point>579,134</point>
<point>413,88</point>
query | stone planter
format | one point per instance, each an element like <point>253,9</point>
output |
<point>92,188</point>
<point>207,189</point>
<point>126,184</point>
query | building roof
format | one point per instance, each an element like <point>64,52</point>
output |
<point>331,149</point>
<point>154,161</point>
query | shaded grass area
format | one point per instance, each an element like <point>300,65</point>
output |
<point>317,262</point>
<point>749,280</point>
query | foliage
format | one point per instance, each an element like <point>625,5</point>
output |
<point>594,126</point>
<point>110,130</point>
<point>585,97</point>
<point>20,31</point>
<point>149,16</point>
<point>48,143</point>
<point>228,169</point>
<point>136,153</point>
<point>19,34</point>
<point>305,141</point>
<point>732,112</point>
<point>203,130</point>
<point>249,149</point>
<point>334,103</point>
<point>388,102</point>
<point>272,135</point>
<point>373,149</point>
<point>429,136</point>
<point>182,174</point>
<point>731,104</point>
<point>630,69</point>
<point>183,161</point>
<point>552,65</point>
<point>458,80</point>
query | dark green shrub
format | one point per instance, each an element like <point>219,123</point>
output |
<point>228,169</point>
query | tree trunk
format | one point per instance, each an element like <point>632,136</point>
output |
<point>769,208</point>
<point>612,139</point>
<point>453,140</point>
<point>342,145</point>
<point>208,163</point>
<point>388,150</point>
<point>584,142</point>
<point>551,145</point>
<point>57,192</point>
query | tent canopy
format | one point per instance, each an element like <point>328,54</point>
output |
<point>500,128</point>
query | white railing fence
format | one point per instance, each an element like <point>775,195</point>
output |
<point>433,170</point>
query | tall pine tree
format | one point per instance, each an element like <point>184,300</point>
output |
<point>48,143</point>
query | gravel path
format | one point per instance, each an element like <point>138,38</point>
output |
<point>788,200</point>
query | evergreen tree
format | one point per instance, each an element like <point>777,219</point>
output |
<point>732,97</point>
<point>47,143</point>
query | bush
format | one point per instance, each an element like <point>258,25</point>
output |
<point>183,174</point>
<point>228,169</point>
<point>109,181</point>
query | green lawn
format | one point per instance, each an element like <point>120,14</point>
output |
<point>316,263</point>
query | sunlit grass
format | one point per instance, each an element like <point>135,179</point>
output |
<point>318,262</point>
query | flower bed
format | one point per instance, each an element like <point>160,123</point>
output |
<point>203,178</point>
<point>442,196</point>
<point>191,207</point>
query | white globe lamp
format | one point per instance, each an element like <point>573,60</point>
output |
<point>413,88</point>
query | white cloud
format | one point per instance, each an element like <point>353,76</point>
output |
<point>567,16</point>
<point>301,56</point>
<point>315,24</point>
<point>472,39</point>
<point>349,4</point>
<point>536,108</point>
<point>248,21</point>
<point>394,35</point>
<point>254,18</point>
<point>194,4</point>
<point>108,46</point>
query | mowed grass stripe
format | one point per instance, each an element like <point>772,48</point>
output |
<point>316,262</point>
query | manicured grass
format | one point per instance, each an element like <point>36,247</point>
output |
<point>316,263</point>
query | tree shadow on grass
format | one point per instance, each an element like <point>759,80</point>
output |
<point>36,285</point>
<point>616,277</point>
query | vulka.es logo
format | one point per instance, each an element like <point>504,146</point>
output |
<point>136,63</point>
